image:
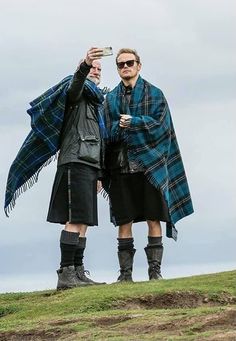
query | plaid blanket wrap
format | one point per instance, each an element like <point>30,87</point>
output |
<point>152,143</point>
<point>42,143</point>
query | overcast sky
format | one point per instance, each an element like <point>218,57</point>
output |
<point>187,49</point>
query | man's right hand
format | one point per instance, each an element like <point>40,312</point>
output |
<point>125,120</point>
<point>93,54</point>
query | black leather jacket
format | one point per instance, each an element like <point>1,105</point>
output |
<point>116,159</point>
<point>80,133</point>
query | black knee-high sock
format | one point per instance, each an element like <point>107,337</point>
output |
<point>79,253</point>
<point>125,244</point>
<point>68,243</point>
<point>154,242</point>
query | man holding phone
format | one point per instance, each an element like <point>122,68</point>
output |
<point>146,179</point>
<point>66,118</point>
<point>74,194</point>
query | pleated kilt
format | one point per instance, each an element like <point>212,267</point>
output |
<point>133,198</point>
<point>74,195</point>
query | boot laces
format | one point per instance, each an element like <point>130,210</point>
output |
<point>82,270</point>
<point>87,272</point>
<point>82,273</point>
<point>155,267</point>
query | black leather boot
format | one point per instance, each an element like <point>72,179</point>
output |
<point>154,258</point>
<point>67,278</point>
<point>81,276</point>
<point>126,259</point>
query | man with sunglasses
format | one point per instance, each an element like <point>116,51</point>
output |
<point>145,175</point>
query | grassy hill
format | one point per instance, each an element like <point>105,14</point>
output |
<point>191,308</point>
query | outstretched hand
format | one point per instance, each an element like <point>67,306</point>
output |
<point>93,54</point>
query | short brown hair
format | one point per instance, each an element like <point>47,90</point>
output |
<point>127,50</point>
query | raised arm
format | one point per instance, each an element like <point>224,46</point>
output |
<point>76,88</point>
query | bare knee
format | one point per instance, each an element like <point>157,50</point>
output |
<point>125,231</point>
<point>154,228</point>
<point>79,228</point>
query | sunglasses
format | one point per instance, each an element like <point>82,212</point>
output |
<point>129,63</point>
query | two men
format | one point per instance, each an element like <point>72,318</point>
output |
<point>145,175</point>
<point>146,179</point>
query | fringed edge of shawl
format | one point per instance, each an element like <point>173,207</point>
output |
<point>104,194</point>
<point>27,185</point>
<point>171,231</point>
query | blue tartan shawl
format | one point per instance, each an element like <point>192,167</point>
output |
<point>42,143</point>
<point>152,144</point>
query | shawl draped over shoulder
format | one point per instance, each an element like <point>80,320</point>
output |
<point>42,143</point>
<point>152,143</point>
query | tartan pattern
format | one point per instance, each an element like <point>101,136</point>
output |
<point>151,142</point>
<point>42,143</point>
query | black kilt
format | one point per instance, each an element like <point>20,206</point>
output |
<point>133,198</point>
<point>74,195</point>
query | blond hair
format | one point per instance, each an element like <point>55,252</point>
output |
<point>127,50</point>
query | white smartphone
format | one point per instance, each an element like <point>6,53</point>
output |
<point>107,51</point>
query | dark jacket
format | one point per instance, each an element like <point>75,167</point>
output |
<point>80,139</point>
<point>116,153</point>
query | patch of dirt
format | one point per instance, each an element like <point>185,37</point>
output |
<point>65,322</point>
<point>226,320</point>
<point>177,299</point>
<point>35,335</point>
<point>101,321</point>
<point>225,336</point>
<point>110,320</point>
<point>223,324</point>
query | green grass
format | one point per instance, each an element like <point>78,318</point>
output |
<point>191,308</point>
